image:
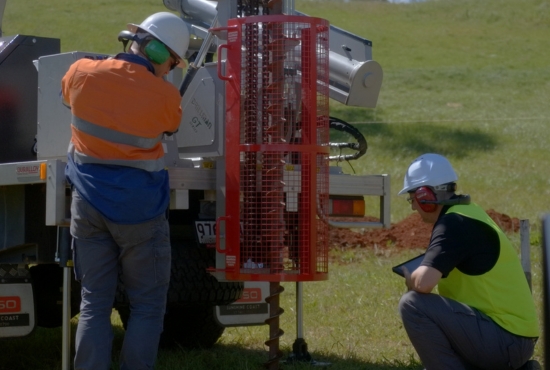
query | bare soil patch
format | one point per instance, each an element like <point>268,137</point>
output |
<point>411,232</point>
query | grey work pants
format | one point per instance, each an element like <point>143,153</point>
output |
<point>142,252</point>
<point>450,335</point>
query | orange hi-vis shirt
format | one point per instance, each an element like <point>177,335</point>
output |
<point>120,112</point>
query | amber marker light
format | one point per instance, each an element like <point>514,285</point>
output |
<point>43,171</point>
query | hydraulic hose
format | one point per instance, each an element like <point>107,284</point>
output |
<point>360,146</point>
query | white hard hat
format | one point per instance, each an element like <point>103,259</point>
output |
<point>168,28</point>
<point>428,170</point>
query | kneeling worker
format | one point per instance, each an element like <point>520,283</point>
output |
<point>484,316</point>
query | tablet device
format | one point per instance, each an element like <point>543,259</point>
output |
<point>411,265</point>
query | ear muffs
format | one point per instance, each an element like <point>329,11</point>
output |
<point>424,194</point>
<point>156,52</point>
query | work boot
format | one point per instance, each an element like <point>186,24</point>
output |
<point>531,365</point>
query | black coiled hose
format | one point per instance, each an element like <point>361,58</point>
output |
<point>360,146</point>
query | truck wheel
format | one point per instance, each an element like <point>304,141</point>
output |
<point>186,326</point>
<point>47,281</point>
<point>190,327</point>
<point>190,283</point>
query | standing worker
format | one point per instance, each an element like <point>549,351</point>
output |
<point>121,107</point>
<point>484,316</point>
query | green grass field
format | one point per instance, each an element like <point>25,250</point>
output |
<point>350,321</point>
<point>468,79</point>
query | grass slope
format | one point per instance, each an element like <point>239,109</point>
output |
<point>463,78</point>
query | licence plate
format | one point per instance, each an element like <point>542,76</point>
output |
<point>206,231</point>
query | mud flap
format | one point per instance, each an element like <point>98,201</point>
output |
<point>17,307</point>
<point>251,309</point>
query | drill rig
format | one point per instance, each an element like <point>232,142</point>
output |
<point>252,191</point>
<point>276,70</point>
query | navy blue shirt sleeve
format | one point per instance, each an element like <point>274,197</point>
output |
<point>461,242</point>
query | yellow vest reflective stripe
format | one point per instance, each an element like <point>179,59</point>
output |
<point>501,293</point>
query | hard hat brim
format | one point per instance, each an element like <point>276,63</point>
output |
<point>132,27</point>
<point>404,190</point>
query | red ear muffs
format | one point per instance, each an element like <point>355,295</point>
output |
<point>423,195</point>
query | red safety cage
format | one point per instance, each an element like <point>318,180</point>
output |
<point>277,134</point>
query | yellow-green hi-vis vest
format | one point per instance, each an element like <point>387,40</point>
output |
<point>503,292</point>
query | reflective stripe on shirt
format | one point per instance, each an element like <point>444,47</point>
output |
<point>114,135</point>
<point>150,165</point>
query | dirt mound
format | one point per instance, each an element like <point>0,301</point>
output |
<point>411,232</point>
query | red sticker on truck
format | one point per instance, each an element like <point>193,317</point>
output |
<point>10,304</point>
<point>251,295</point>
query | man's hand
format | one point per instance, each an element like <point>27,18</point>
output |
<point>407,275</point>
